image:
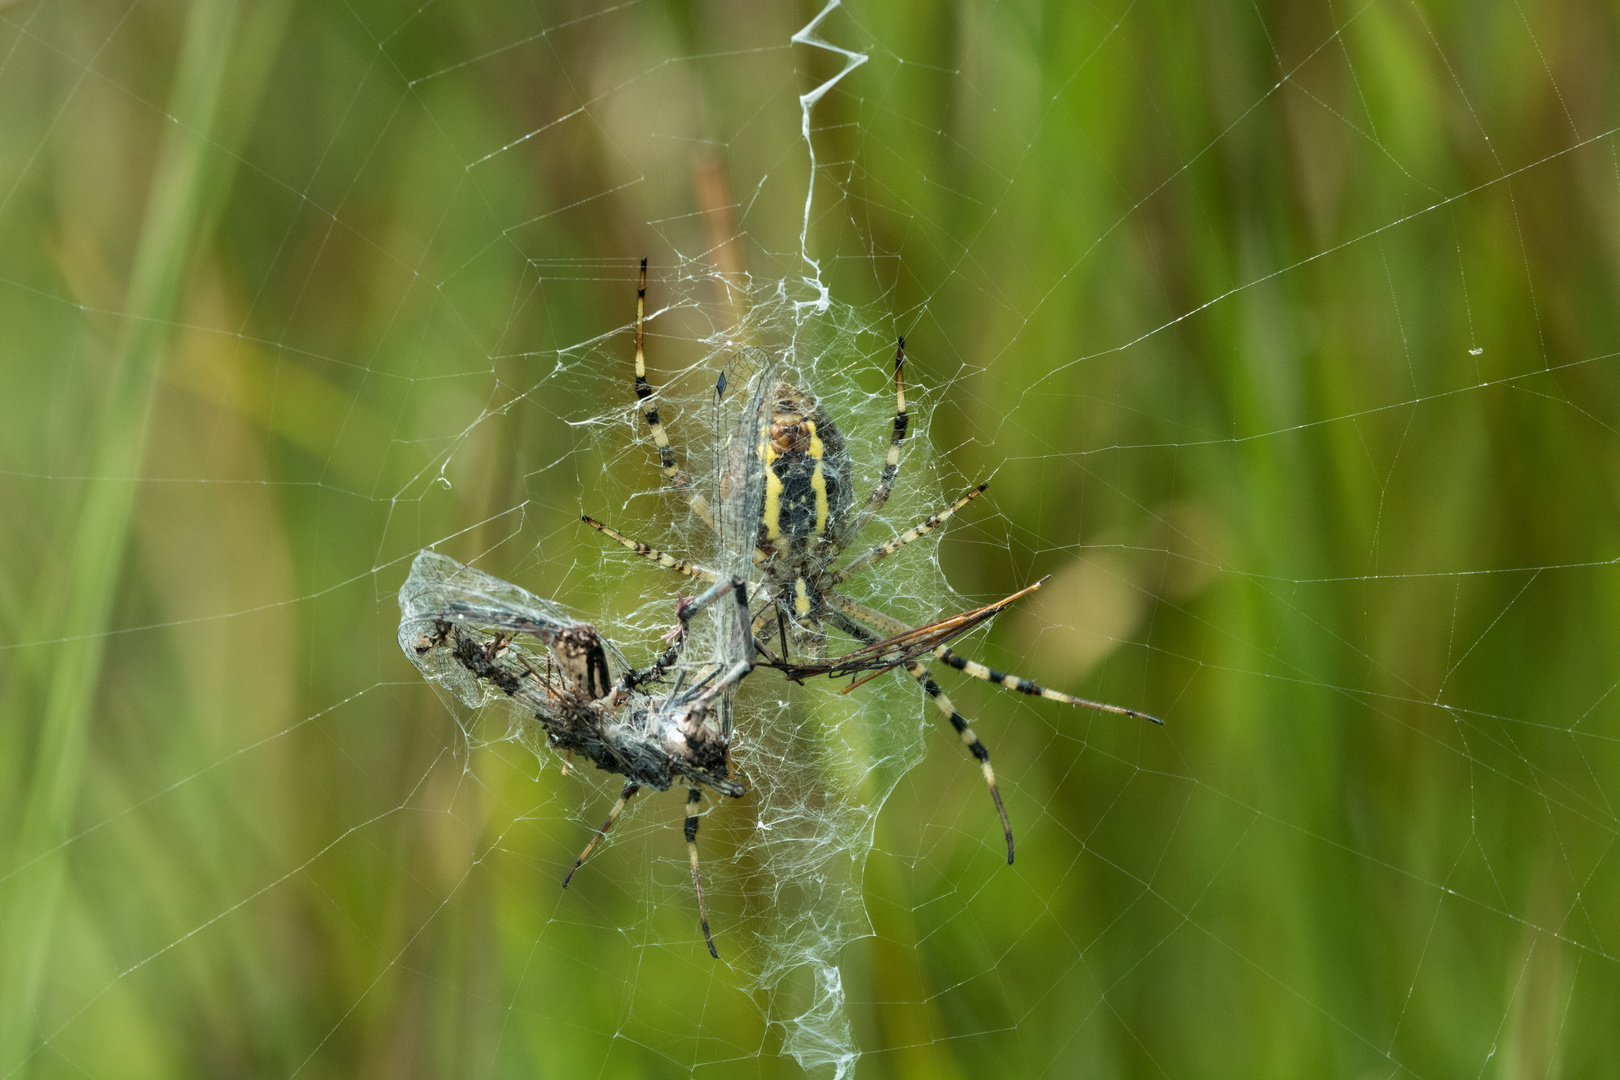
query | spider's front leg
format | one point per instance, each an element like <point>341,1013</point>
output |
<point>666,453</point>
<point>891,465</point>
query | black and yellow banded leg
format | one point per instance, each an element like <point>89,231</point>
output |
<point>613,815</point>
<point>891,465</point>
<point>846,612</point>
<point>644,392</point>
<point>974,668</point>
<point>1024,686</point>
<point>975,747</point>
<point>693,797</point>
<point>662,558</point>
<point>883,551</point>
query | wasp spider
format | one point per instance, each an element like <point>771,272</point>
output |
<point>807,518</point>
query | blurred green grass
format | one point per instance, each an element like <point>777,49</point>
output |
<point>1307,393</point>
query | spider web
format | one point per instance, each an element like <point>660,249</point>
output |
<point>1285,335</point>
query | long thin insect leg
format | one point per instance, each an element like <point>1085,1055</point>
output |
<point>693,607</point>
<point>613,815</point>
<point>693,797</point>
<point>685,612</point>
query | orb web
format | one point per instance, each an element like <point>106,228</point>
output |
<point>1284,335</point>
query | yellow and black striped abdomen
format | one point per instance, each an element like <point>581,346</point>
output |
<point>807,477</point>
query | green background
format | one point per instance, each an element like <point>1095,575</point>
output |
<point>1287,332</point>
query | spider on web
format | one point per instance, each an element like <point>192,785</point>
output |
<point>803,518</point>
<point>461,626</point>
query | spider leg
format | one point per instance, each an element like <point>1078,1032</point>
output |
<point>644,392</point>
<point>693,797</point>
<point>1014,682</point>
<point>845,619</point>
<point>891,466</point>
<point>975,747</point>
<point>664,559</point>
<point>883,551</point>
<point>613,815</point>
<point>945,655</point>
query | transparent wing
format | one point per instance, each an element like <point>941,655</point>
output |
<point>892,652</point>
<point>442,592</point>
<point>741,487</point>
<point>439,584</point>
<point>737,508</point>
<point>437,663</point>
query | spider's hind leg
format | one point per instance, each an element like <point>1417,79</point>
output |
<point>844,614</point>
<point>979,671</point>
<point>975,747</point>
<point>1017,682</point>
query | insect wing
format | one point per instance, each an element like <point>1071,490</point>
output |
<point>441,593</point>
<point>440,584</point>
<point>737,510</point>
<point>901,649</point>
<point>741,482</point>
